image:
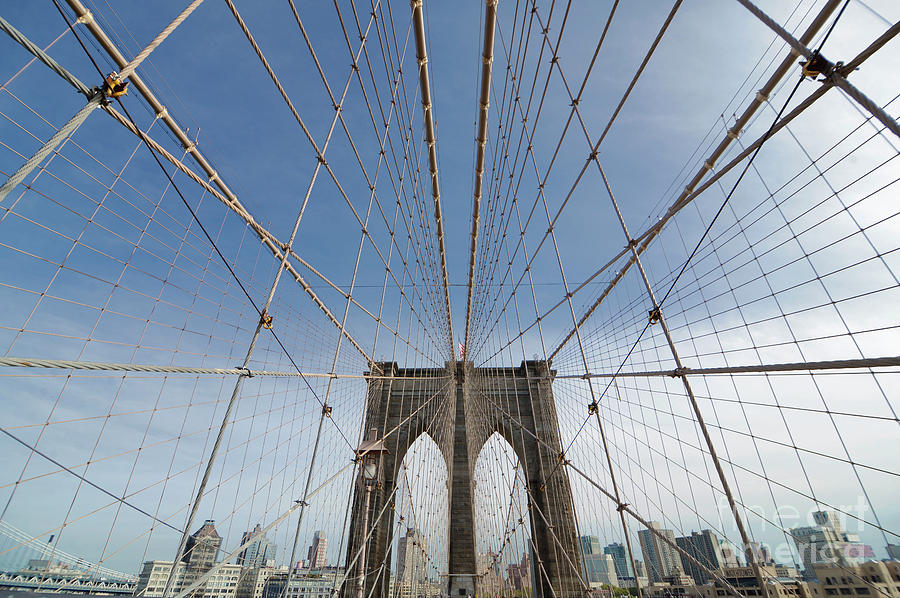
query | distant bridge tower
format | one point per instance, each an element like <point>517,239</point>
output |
<point>393,400</point>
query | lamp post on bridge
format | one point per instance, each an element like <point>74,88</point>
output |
<point>369,455</point>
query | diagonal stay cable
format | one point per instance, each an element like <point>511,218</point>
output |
<point>693,190</point>
<point>88,482</point>
<point>749,163</point>
<point>260,312</point>
<point>200,224</point>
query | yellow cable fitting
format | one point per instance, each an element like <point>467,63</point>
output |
<point>654,316</point>
<point>267,321</point>
<point>592,408</point>
<point>816,66</point>
<point>114,86</point>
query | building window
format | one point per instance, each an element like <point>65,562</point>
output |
<point>846,591</point>
<point>862,590</point>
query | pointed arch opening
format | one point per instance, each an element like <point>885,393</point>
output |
<point>421,520</point>
<point>502,526</point>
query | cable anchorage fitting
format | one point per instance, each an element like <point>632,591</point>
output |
<point>654,315</point>
<point>114,86</point>
<point>622,506</point>
<point>678,372</point>
<point>267,321</point>
<point>817,65</point>
<point>326,410</point>
<point>592,408</point>
<point>246,371</point>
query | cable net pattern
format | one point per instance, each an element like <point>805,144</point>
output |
<point>203,281</point>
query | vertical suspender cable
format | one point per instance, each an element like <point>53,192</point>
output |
<point>487,59</point>
<point>431,141</point>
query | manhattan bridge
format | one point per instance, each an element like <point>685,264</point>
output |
<point>467,289</point>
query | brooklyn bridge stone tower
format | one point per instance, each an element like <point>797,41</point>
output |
<point>461,406</point>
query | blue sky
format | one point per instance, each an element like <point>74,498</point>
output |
<point>706,69</point>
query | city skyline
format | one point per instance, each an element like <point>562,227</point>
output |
<point>204,545</point>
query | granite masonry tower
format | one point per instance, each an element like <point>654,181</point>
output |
<point>460,407</point>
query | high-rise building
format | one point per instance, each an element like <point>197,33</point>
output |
<point>639,579</point>
<point>317,555</point>
<point>221,584</point>
<point>893,551</point>
<point>411,563</point>
<point>520,575</point>
<point>660,558</point>
<point>304,584</point>
<point>411,556</point>
<point>828,519</point>
<point>253,581</point>
<point>762,553</point>
<point>600,569</point>
<point>259,553</point>
<point>619,554</point>
<point>590,545</point>
<point>730,557</point>
<point>827,542</point>
<point>202,547</point>
<point>703,546</point>
<point>200,554</point>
